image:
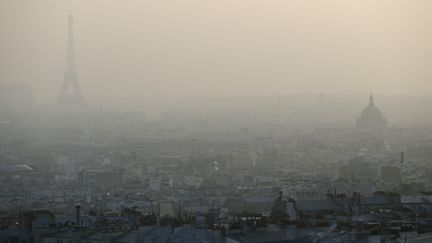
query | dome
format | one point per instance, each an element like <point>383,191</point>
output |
<point>371,117</point>
<point>16,168</point>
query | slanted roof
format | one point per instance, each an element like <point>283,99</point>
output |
<point>376,200</point>
<point>414,237</point>
<point>416,199</point>
<point>100,235</point>
<point>14,232</point>
<point>189,234</point>
<point>316,205</point>
<point>126,237</point>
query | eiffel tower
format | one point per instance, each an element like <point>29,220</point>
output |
<point>70,94</point>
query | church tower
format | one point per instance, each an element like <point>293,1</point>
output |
<point>70,94</point>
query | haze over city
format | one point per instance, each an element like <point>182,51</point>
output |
<point>225,121</point>
<point>135,50</point>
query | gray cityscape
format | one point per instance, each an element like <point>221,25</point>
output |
<point>215,122</point>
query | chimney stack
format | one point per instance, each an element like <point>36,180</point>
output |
<point>402,157</point>
<point>122,206</point>
<point>78,214</point>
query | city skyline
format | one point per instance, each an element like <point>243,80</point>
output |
<point>194,121</point>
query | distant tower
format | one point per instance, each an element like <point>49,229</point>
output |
<point>71,97</point>
<point>371,100</point>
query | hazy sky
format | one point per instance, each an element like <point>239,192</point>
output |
<point>132,49</point>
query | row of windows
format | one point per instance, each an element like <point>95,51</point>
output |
<point>61,241</point>
<point>57,241</point>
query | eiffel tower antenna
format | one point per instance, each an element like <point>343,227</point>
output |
<point>74,96</point>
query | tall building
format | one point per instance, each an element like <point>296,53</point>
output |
<point>371,117</point>
<point>70,94</point>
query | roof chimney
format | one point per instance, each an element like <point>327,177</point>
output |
<point>78,214</point>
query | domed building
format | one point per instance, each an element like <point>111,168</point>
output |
<point>371,117</point>
<point>15,169</point>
